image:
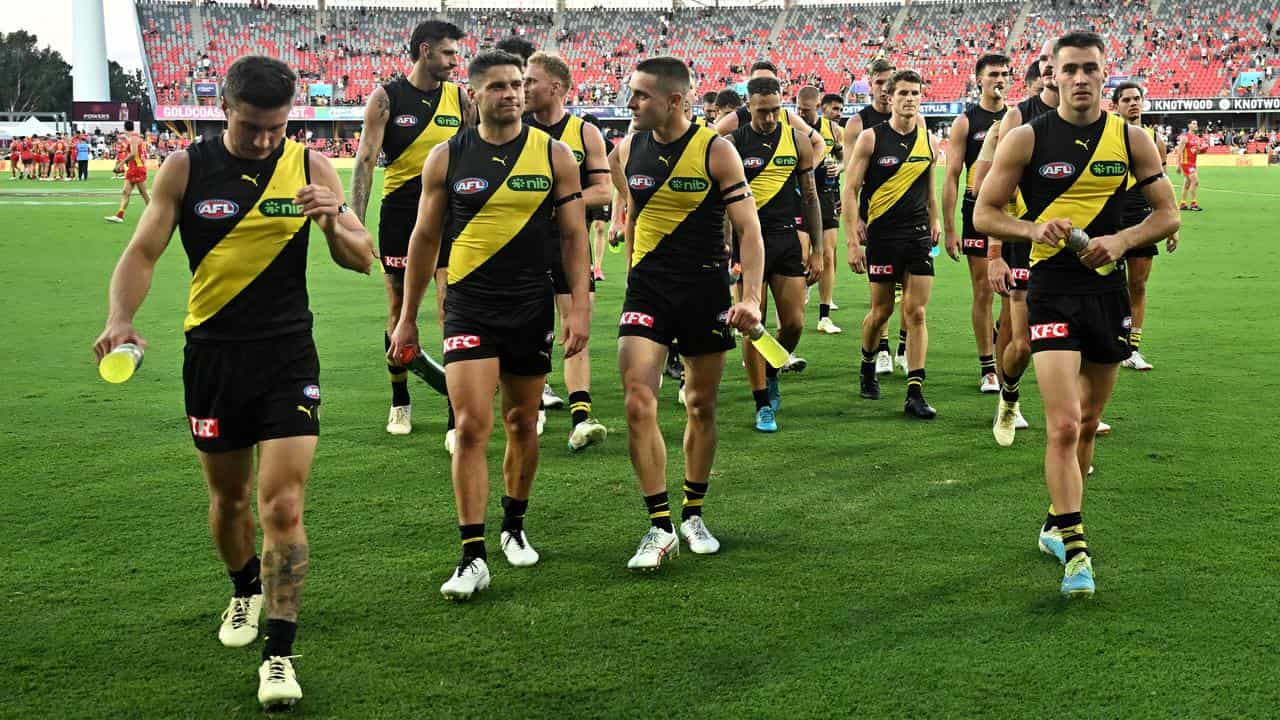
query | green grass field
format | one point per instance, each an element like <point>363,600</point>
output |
<point>872,567</point>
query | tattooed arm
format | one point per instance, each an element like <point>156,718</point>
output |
<point>375,125</point>
<point>810,208</point>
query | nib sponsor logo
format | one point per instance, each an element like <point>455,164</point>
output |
<point>1050,331</point>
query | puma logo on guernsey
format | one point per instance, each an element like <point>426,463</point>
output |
<point>426,102</point>
<point>500,160</point>
<point>664,160</point>
<point>253,179</point>
<point>903,145</point>
<point>1084,144</point>
<point>766,145</point>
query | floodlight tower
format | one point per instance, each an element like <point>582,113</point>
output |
<point>89,54</point>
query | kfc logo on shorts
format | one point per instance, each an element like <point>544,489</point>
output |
<point>880,269</point>
<point>640,182</point>
<point>1049,331</point>
<point>753,163</point>
<point>312,391</point>
<point>636,318</point>
<point>406,120</point>
<point>393,261</point>
<point>1020,274</point>
<point>975,243</point>
<point>888,161</point>
<point>206,428</point>
<point>461,342</point>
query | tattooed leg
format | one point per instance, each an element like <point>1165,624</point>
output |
<point>283,467</point>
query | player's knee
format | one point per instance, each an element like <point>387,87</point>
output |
<point>880,313</point>
<point>982,293</point>
<point>641,405</point>
<point>913,315</point>
<point>281,511</point>
<point>230,503</point>
<point>521,422</point>
<point>473,430</point>
<point>700,405</point>
<point>1063,432</point>
<point>1019,349</point>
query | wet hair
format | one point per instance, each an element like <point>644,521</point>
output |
<point>260,81</point>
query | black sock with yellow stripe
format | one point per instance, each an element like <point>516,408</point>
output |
<point>473,541</point>
<point>868,362</point>
<point>579,406</point>
<point>884,341</point>
<point>513,511</point>
<point>693,496</point>
<point>399,377</point>
<point>1071,527</point>
<point>1009,387</point>
<point>915,383</point>
<point>659,511</point>
<point>1135,339</point>
<point>1049,520</point>
<point>988,363</point>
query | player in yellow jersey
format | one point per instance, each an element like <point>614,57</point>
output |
<point>244,203</point>
<point>547,82</point>
<point>500,188</point>
<point>1072,167</point>
<point>1126,101</point>
<point>680,182</point>
<point>404,120</point>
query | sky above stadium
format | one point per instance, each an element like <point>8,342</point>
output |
<point>50,21</point>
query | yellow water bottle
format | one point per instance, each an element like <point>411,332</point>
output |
<point>119,365</point>
<point>768,347</point>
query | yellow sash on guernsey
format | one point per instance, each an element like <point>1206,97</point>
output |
<point>777,169</point>
<point>889,193</point>
<point>244,252</point>
<point>507,210</point>
<point>828,135</point>
<point>681,194</point>
<point>1106,172</point>
<point>572,136</point>
<point>443,124</point>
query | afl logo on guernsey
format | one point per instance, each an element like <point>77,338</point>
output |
<point>640,182</point>
<point>888,161</point>
<point>470,186</point>
<point>752,163</point>
<point>1057,170</point>
<point>406,120</point>
<point>980,136</point>
<point>216,209</point>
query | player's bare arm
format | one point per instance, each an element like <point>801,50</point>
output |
<point>934,225</point>
<point>810,206</point>
<point>598,191</point>
<point>424,248</point>
<point>951,185</point>
<point>726,170</point>
<point>853,179</point>
<point>350,244</point>
<point>372,132</point>
<point>132,277</point>
<point>571,216</point>
<point>849,138</point>
<point>617,171</point>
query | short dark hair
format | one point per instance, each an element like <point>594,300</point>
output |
<point>260,81</point>
<point>764,86</point>
<point>128,126</point>
<point>1127,85</point>
<point>708,97</point>
<point>905,75</point>
<point>832,98</point>
<point>673,75</point>
<point>879,65</point>
<point>809,91</point>
<point>763,65</point>
<point>728,99</point>
<point>1080,39</point>
<point>489,59</point>
<point>517,46</point>
<point>991,59</point>
<point>432,32</point>
<point>1033,72</point>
